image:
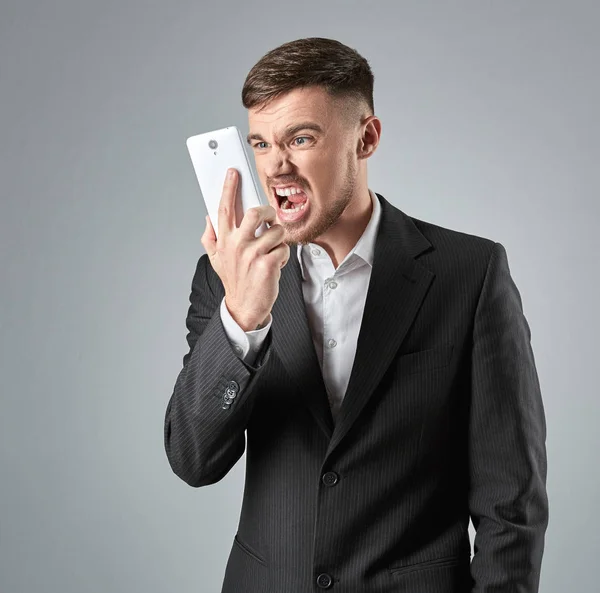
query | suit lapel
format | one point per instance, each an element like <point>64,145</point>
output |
<point>293,343</point>
<point>396,290</point>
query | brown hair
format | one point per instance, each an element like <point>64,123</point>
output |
<point>328,63</point>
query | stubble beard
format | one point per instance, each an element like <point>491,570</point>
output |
<point>330,214</point>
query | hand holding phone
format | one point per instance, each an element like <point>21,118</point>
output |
<point>249,267</point>
<point>243,251</point>
<point>212,154</point>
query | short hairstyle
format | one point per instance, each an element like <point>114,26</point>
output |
<point>327,63</point>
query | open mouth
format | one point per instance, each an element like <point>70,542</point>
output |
<point>286,201</point>
<point>293,207</point>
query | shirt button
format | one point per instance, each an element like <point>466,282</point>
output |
<point>316,252</point>
<point>324,580</point>
<point>332,343</point>
<point>238,349</point>
<point>333,284</point>
<point>330,478</point>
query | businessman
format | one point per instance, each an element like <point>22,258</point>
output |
<point>376,368</point>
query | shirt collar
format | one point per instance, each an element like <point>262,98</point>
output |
<point>364,248</point>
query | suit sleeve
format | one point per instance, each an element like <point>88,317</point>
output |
<point>246,344</point>
<point>213,397</point>
<point>507,433</point>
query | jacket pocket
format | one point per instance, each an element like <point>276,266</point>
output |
<point>424,360</point>
<point>426,565</point>
<point>248,550</point>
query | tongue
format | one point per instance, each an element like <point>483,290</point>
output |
<point>297,198</point>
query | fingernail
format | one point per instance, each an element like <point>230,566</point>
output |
<point>230,173</point>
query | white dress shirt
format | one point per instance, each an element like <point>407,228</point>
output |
<point>334,300</point>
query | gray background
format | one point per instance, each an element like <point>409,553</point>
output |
<point>490,126</point>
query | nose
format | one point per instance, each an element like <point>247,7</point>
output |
<point>278,163</point>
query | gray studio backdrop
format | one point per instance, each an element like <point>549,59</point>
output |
<point>490,127</point>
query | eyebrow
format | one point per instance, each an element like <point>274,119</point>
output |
<point>308,125</point>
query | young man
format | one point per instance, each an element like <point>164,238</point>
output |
<point>380,366</point>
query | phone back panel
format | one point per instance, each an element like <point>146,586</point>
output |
<point>211,162</point>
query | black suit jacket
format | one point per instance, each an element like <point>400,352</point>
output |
<point>442,420</point>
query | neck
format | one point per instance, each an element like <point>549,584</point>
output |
<point>341,238</point>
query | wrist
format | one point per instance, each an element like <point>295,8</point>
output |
<point>246,323</point>
<point>263,323</point>
<point>252,325</point>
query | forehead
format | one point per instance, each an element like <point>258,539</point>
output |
<point>310,104</point>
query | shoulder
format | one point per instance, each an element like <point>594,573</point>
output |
<point>445,240</point>
<point>461,254</point>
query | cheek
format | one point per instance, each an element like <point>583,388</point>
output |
<point>316,168</point>
<point>262,179</point>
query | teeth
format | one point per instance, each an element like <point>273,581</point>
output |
<point>286,203</point>
<point>288,191</point>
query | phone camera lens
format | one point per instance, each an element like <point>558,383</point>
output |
<point>212,144</point>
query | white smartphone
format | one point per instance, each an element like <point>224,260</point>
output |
<point>212,153</point>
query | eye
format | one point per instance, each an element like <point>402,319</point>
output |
<point>300,138</point>
<point>257,144</point>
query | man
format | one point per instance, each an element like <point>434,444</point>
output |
<point>380,366</point>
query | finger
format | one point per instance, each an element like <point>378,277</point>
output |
<point>209,238</point>
<point>272,238</point>
<point>252,221</point>
<point>280,254</point>
<point>226,222</point>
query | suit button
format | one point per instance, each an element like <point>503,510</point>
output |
<point>324,581</point>
<point>233,386</point>
<point>330,478</point>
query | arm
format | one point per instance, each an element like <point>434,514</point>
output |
<point>246,344</point>
<point>507,453</point>
<point>203,440</point>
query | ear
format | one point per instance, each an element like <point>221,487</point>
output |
<point>369,140</point>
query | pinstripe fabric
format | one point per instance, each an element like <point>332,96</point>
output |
<point>442,418</point>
